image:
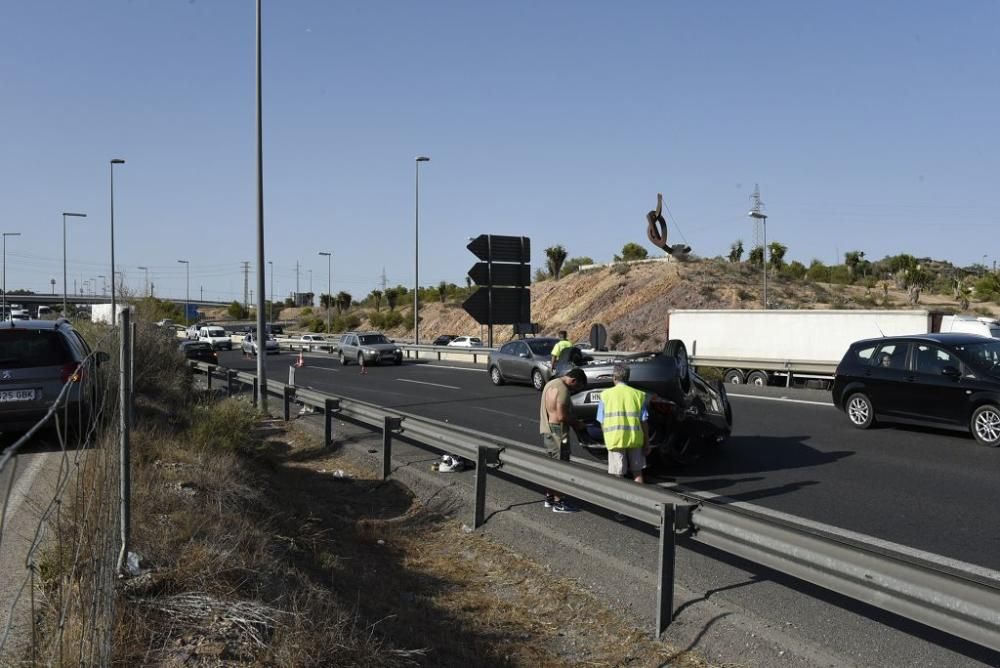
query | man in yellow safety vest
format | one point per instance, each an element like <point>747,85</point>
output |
<point>624,416</point>
<point>560,346</point>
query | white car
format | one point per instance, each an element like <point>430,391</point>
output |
<point>315,342</point>
<point>249,344</point>
<point>216,336</point>
<point>466,342</point>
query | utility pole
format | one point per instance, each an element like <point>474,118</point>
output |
<point>202,293</point>
<point>760,224</point>
<point>246,285</point>
<point>383,279</point>
<point>296,281</point>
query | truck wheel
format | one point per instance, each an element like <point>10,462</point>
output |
<point>675,348</point>
<point>495,376</point>
<point>758,378</point>
<point>860,411</point>
<point>985,425</point>
<point>734,376</point>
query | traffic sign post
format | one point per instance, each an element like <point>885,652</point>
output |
<point>505,275</point>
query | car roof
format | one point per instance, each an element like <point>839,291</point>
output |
<point>35,324</point>
<point>944,338</point>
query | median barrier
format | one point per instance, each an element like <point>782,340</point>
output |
<point>952,596</point>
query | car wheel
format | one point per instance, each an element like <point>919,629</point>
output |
<point>724,397</point>
<point>676,349</point>
<point>985,425</point>
<point>537,380</point>
<point>734,376</point>
<point>860,411</point>
<point>758,378</point>
<point>343,360</point>
<point>361,359</point>
<point>680,448</point>
<point>495,376</point>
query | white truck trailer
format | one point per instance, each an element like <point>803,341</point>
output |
<point>762,347</point>
<point>102,312</point>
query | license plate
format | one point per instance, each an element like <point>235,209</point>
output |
<point>17,395</point>
<point>594,397</point>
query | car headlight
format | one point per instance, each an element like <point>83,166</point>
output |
<point>397,351</point>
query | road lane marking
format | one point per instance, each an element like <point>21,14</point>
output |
<point>421,382</point>
<point>321,368</point>
<point>793,401</point>
<point>513,415</point>
<point>442,366</point>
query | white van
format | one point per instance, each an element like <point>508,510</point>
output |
<point>44,311</point>
<point>971,325</point>
<point>216,336</point>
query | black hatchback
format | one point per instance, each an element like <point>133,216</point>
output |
<point>951,381</point>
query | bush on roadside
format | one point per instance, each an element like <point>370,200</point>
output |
<point>227,425</point>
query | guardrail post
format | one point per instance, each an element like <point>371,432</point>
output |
<point>287,392</point>
<point>230,375</point>
<point>208,376</point>
<point>480,517</point>
<point>255,386</point>
<point>665,584</point>
<point>389,424</point>
<point>329,406</point>
<point>291,375</point>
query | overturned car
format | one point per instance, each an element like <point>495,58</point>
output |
<point>688,415</point>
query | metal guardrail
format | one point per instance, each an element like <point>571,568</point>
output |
<point>952,596</point>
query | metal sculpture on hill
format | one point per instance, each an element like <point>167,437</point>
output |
<point>656,230</point>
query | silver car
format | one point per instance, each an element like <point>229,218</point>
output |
<point>368,348</point>
<point>250,344</point>
<point>37,358</point>
<point>525,361</point>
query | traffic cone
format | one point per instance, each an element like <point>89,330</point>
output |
<point>300,362</point>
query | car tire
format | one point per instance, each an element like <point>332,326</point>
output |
<point>860,411</point>
<point>496,377</point>
<point>721,388</point>
<point>985,425</point>
<point>537,379</point>
<point>680,449</point>
<point>734,377</point>
<point>757,378</point>
<point>676,349</point>
<point>343,359</point>
<point>361,359</point>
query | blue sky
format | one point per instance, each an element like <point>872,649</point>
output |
<point>869,126</point>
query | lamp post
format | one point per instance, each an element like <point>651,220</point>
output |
<point>4,308</point>
<point>145,269</point>
<point>74,215</point>
<point>114,312</point>
<point>329,287</point>
<point>187,302</point>
<point>270,309</point>
<point>261,332</point>
<point>416,249</point>
<point>104,285</point>
<point>763,218</point>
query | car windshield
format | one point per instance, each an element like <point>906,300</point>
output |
<point>541,347</point>
<point>373,339</point>
<point>216,331</point>
<point>984,356</point>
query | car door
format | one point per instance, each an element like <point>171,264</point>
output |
<point>936,391</point>
<point>511,364</point>
<point>887,377</point>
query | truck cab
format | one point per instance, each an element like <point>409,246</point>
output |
<point>971,325</point>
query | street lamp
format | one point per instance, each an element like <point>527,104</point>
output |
<point>74,215</point>
<point>329,287</point>
<point>3,311</point>
<point>416,250</point>
<point>114,312</point>
<point>145,269</point>
<point>763,218</point>
<point>187,302</point>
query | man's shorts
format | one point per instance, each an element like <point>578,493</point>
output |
<point>621,462</point>
<point>557,442</point>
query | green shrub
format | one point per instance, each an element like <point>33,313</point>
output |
<point>224,425</point>
<point>386,320</point>
<point>346,321</point>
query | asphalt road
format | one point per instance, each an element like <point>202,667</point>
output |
<point>927,489</point>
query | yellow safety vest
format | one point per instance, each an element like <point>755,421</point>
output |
<point>622,424</point>
<point>559,347</point>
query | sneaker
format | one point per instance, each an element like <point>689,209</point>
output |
<point>549,501</point>
<point>564,507</point>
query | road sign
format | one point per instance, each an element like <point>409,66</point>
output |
<point>500,248</point>
<point>518,275</point>
<point>510,305</point>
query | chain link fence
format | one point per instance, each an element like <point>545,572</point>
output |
<point>61,532</point>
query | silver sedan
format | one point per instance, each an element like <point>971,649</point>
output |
<point>524,361</point>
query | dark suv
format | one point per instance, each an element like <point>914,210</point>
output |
<point>37,358</point>
<point>951,381</point>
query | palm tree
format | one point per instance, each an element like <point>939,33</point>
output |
<point>377,298</point>
<point>442,291</point>
<point>556,257</point>
<point>777,252</point>
<point>391,297</point>
<point>343,301</point>
<point>736,251</point>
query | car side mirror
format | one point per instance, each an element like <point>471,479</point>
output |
<point>951,372</point>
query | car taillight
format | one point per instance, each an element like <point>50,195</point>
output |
<point>71,373</point>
